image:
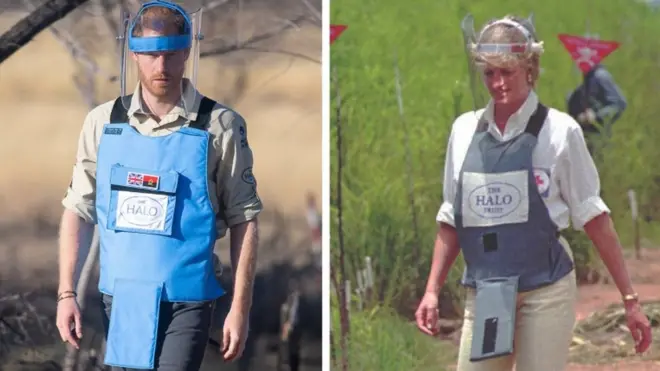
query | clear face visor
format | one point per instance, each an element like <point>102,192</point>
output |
<point>478,52</point>
<point>163,63</point>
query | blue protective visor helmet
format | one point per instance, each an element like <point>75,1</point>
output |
<point>187,38</point>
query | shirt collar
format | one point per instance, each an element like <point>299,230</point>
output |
<point>517,122</point>
<point>190,95</point>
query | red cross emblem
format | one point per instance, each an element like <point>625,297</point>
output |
<point>539,180</point>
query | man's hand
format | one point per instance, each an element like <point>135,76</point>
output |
<point>68,313</point>
<point>74,234</point>
<point>235,333</point>
<point>244,238</point>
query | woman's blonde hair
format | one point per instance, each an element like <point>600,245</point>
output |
<point>518,36</point>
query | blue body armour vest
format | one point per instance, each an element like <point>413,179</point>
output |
<point>157,229</point>
<point>508,240</point>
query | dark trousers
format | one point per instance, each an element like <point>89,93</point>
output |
<point>183,332</point>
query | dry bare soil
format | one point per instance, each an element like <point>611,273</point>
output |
<point>608,346</point>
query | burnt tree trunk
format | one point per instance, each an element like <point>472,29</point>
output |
<point>27,28</point>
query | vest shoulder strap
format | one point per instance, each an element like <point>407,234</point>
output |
<point>119,114</point>
<point>537,120</point>
<point>204,114</point>
<point>482,124</point>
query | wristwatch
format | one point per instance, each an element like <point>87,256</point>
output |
<point>630,297</point>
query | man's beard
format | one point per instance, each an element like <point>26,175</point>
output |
<point>162,90</point>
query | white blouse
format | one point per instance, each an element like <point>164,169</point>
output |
<point>566,174</point>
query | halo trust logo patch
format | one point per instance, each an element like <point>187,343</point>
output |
<point>141,211</point>
<point>495,200</point>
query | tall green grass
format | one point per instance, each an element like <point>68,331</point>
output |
<point>381,341</point>
<point>427,39</point>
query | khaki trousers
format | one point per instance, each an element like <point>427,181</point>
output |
<point>544,327</point>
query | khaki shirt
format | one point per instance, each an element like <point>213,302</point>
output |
<point>235,199</point>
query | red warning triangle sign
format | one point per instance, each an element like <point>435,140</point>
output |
<point>586,52</point>
<point>335,31</point>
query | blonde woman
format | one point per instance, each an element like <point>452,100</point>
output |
<point>517,173</point>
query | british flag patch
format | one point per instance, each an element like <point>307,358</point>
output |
<point>143,180</point>
<point>135,179</point>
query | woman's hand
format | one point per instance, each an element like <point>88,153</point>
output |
<point>426,315</point>
<point>444,254</point>
<point>601,232</point>
<point>639,326</point>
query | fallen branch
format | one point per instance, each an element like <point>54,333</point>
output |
<point>78,52</point>
<point>27,28</point>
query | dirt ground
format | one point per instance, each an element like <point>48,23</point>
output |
<point>42,113</point>
<point>645,274</point>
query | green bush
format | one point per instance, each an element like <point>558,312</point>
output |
<point>426,37</point>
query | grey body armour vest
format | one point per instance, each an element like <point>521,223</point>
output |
<point>504,228</point>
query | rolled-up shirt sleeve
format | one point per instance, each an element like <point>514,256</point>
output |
<point>81,194</point>
<point>446,212</point>
<point>579,181</point>
<point>236,184</point>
